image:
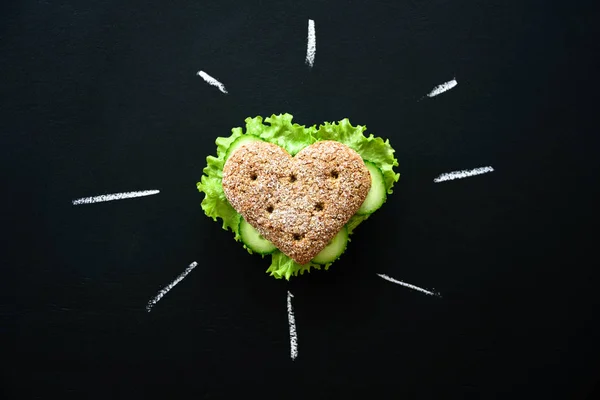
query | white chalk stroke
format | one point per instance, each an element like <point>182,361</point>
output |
<point>170,286</point>
<point>212,81</point>
<point>114,196</point>
<point>408,285</point>
<point>448,176</point>
<point>292,322</point>
<point>444,87</point>
<point>311,45</point>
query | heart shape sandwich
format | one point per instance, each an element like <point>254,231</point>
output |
<point>296,193</point>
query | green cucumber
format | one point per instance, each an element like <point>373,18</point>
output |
<point>377,194</point>
<point>334,249</point>
<point>253,239</point>
<point>239,142</point>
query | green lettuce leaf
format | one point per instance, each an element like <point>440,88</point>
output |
<point>284,267</point>
<point>215,204</point>
<point>279,130</point>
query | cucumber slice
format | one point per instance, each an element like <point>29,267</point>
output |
<point>334,249</point>
<point>237,143</point>
<point>253,239</point>
<point>377,194</point>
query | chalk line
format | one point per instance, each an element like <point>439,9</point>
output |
<point>408,285</point>
<point>170,286</point>
<point>448,176</point>
<point>292,322</point>
<point>444,87</point>
<point>114,196</point>
<point>212,81</point>
<point>311,45</point>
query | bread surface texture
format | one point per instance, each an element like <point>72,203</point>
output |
<point>298,203</point>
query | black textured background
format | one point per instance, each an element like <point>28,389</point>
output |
<point>102,97</point>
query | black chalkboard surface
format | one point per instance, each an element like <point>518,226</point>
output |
<point>103,97</point>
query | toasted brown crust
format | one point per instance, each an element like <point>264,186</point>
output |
<point>297,203</point>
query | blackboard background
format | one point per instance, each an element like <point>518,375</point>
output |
<point>102,97</point>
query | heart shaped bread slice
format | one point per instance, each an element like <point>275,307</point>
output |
<point>298,203</point>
